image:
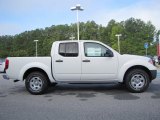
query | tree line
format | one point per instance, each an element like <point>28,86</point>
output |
<point>135,33</point>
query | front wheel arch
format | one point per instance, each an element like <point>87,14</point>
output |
<point>137,80</point>
<point>138,67</point>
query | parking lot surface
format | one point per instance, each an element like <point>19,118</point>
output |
<point>79,102</point>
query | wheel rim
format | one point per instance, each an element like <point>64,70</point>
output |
<point>36,83</point>
<point>137,81</point>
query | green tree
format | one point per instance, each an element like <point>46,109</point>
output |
<point>135,33</point>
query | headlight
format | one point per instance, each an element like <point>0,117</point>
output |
<point>150,61</point>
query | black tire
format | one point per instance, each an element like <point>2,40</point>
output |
<point>137,80</point>
<point>36,83</point>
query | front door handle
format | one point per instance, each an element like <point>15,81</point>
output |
<point>59,60</point>
<point>86,60</point>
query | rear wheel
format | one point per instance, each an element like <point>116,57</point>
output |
<point>137,80</point>
<point>36,83</point>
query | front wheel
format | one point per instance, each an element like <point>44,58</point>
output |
<point>137,80</point>
<point>36,83</point>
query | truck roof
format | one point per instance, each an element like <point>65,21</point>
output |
<point>77,41</point>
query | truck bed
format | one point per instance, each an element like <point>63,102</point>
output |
<point>18,65</point>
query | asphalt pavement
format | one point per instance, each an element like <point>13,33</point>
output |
<point>79,102</point>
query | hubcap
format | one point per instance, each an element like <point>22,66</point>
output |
<point>36,83</point>
<point>137,81</point>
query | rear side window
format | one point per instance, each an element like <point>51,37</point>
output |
<point>68,49</point>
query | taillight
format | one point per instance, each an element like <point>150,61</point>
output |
<point>6,64</point>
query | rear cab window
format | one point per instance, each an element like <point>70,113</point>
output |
<point>69,49</point>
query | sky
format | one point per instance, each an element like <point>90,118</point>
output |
<point>17,16</point>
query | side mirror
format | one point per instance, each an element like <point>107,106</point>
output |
<point>109,53</point>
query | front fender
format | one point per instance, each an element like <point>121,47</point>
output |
<point>123,69</point>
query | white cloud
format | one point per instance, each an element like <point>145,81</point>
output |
<point>145,10</point>
<point>10,29</point>
<point>31,6</point>
<point>21,15</point>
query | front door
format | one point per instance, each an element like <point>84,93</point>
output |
<point>96,65</point>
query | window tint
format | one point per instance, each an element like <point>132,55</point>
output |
<point>62,49</point>
<point>95,50</point>
<point>68,49</point>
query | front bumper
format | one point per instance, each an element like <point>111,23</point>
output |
<point>153,74</point>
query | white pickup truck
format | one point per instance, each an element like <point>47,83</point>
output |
<point>84,61</point>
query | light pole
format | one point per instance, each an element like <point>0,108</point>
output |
<point>118,36</point>
<point>72,37</point>
<point>36,46</point>
<point>77,8</point>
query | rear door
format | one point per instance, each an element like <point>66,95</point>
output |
<point>67,62</point>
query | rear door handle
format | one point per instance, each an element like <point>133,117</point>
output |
<point>86,60</point>
<point>59,60</point>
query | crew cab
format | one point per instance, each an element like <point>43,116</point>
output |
<point>84,61</point>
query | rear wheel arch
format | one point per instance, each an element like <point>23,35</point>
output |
<point>36,83</point>
<point>35,69</point>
